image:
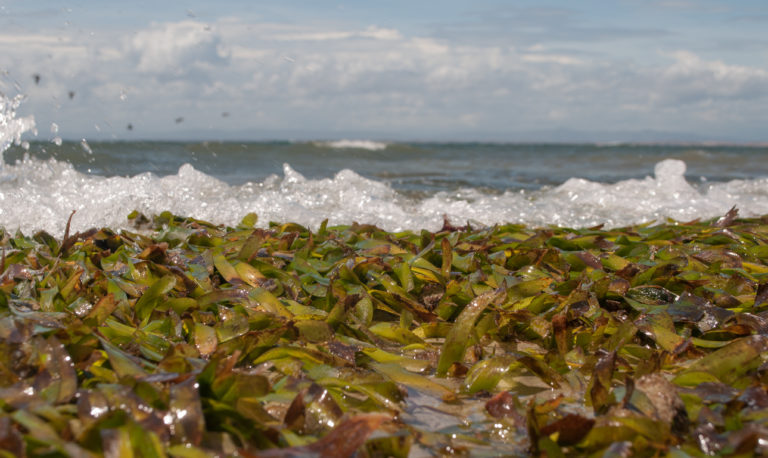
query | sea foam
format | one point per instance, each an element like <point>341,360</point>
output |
<point>369,145</point>
<point>40,194</point>
<point>37,195</point>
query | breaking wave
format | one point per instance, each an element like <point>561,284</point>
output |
<point>40,194</point>
<point>369,145</point>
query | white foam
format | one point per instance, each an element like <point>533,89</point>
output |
<point>583,203</point>
<point>38,195</point>
<point>355,144</point>
<point>11,127</point>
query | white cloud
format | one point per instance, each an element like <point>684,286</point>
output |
<point>174,48</point>
<point>234,30</point>
<point>381,33</point>
<point>29,40</point>
<point>429,46</point>
<point>43,45</point>
<point>558,59</point>
<point>372,32</point>
<point>691,79</point>
<point>313,36</point>
<point>286,76</point>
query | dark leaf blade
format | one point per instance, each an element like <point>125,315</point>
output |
<point>342,441</point>
<point>570,429</point>
<point>601,382</point>
<point>501,405</point>
<point>761,295</point>
<point>186,413</point>
<point>727,219</point>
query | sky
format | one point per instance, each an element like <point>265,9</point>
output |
<point>625,70</point>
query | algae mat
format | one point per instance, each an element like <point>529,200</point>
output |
<point>187,339</point>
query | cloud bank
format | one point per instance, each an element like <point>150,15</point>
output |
<point>238,78</point>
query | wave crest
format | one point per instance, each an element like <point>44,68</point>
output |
<point>368,145</point>
<point>37,195</point>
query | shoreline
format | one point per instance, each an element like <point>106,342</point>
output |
<point>197,338</point>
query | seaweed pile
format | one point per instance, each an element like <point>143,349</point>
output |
<point>187,339</point>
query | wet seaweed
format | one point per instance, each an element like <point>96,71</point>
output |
<point>189,339</point>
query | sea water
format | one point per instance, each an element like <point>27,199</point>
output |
<point>395,185</point>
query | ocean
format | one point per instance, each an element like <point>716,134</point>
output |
<point>395,185</point>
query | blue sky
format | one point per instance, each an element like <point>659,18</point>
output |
<point>448,70</point>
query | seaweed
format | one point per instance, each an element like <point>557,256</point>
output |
<point>189,339</point>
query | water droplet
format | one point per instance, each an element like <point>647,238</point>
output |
<point>86,146</point>
<point>96,411</point>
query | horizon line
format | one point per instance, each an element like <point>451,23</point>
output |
<point>702,143</point>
